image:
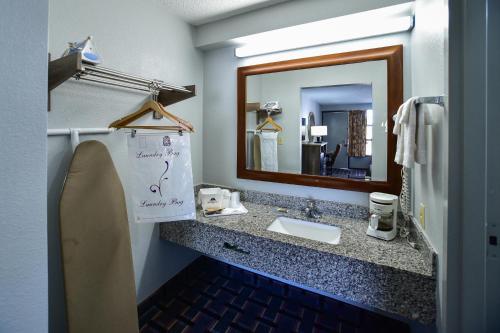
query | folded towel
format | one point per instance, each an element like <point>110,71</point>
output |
<point>421,149</point>
<point>250,146</point>
<point>256,152</point>
<point>411,144</point>
<point>399,131</point>
<point>269,151</point>
<point>409,120</point>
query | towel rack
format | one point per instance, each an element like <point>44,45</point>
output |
<point>71,66</point>
<point>431,100</point>
<point>438,100</point>
<point>75,133</point>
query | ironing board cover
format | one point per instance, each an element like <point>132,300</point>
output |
<point>97,260</point>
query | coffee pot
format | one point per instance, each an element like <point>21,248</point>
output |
<point>383,216</point>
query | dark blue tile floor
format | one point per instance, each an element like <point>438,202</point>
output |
<point>211,296</point>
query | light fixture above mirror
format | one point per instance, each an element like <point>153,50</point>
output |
<point>371,23</point>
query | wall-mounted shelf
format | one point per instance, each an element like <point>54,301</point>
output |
<point>261,113</point>
<point>71,66</point>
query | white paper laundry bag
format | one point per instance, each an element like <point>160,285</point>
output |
<point>161,177</point>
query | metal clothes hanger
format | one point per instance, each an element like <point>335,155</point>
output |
<point>150,106</point>
<point>269,121</point>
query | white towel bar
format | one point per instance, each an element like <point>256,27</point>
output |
<point>75,133</point>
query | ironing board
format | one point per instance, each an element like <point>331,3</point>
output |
<point>97,260</point>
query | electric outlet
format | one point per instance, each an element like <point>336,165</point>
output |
<point>280,140</point>
<point>422,215</point>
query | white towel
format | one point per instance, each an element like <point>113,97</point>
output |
<point>409,126</point>
<point>399,131</point>
<point>268,151</point>
<point>421,148</point>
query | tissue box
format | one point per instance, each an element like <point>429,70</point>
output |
<point>211,198</point>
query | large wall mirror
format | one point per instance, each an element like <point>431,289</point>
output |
<point>322,121</point>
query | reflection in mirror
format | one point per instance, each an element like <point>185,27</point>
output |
<point>328,121</point>
<point>343,142</point>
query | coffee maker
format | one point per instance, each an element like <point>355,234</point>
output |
<point>383,216</point>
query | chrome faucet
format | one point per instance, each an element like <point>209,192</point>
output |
<point>311,210</point>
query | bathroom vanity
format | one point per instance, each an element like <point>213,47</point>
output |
<point>391,277</point>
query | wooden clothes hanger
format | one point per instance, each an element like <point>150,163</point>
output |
<point>269,121</point>
<point>150,106</point>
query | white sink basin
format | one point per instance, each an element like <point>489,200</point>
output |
<point>304,229</point>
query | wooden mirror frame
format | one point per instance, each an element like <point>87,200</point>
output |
<point>394,57</point>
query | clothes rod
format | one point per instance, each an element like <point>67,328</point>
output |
<point>109,71</point>
<point>431,100</point>
<point>114,84</point>
<point>111,74</point>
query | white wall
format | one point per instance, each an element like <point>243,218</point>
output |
<point>253,96</point>
<point>429,69</point>
<point>219,163</point>
<point>138,37</point>
<point>307,105</point>
<point>23,155</point>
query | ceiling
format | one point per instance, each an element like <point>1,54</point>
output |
<point>197,12</point>
<point>340,94</point>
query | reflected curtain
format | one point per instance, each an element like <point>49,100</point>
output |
<point>357,133</point>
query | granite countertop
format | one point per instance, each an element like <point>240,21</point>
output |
<point>354,243</point>
<point>389,276</point>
